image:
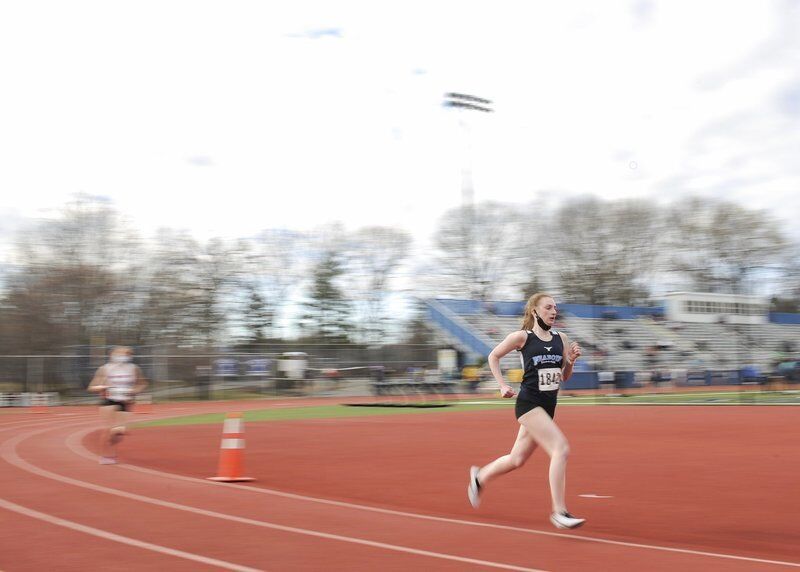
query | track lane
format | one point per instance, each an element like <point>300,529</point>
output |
<point>562,554</point>
<point>287,542</point>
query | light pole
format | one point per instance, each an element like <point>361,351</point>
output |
<point>463,103</point>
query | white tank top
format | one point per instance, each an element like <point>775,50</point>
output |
<point>121,379</point>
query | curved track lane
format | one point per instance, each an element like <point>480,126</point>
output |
<point>55,495</point>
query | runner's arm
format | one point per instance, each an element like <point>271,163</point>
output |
<point>513,341</point>
<point>99,380</point>
<point>572,351</point>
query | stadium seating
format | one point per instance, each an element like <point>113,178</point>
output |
<point>645,343</point>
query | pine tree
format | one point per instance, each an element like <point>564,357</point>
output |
<point>328,312</point>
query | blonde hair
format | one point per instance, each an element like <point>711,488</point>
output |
<point>527,319</point>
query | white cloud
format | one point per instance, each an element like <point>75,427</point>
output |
<point>313,111</point>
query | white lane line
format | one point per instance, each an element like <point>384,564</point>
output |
<point>31,423</point>
<point>73,443</point>
<point>8,505</point>
<point>9,454</point>
<point>594,496</point>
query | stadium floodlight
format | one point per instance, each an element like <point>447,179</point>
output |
<point>467,105</point>
<point>466,101</point>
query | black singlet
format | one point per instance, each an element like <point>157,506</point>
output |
<point>542,363</point>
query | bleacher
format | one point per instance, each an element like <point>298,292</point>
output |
<point>634,339</point>
<point>622,341</point>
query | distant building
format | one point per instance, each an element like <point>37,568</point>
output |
<point>716,308</point>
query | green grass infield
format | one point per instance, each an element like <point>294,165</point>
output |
<point>477,404</point>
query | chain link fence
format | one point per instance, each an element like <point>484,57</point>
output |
<point>202,373</point>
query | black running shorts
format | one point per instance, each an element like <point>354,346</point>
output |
<point>123,405</point>
<point>529,400</point>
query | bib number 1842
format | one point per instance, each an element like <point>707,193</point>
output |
<point>549,379</point>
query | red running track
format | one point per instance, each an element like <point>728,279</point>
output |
<point>700,488</point>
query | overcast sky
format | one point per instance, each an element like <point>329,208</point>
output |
<point>225,118</point>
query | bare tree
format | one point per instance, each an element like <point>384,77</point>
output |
<point>374,254</point>
<point>166,316</point>
<point>529,262</point>
<point>786,297</point>
<point>603,251</point>
<point>476,247</point>
<point>75,277</point>
<point>718,246</point>
<point>192,288</point>
<point>274,267</point>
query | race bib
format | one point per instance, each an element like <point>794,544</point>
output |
<point>549,379</point>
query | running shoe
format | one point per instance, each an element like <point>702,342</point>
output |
<point>566,520</point>
<point>108,461</point>
<point>474,487</point>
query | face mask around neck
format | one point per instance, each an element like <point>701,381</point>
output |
<point>541,323</point>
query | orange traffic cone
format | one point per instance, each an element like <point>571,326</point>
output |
<point>231,453</point>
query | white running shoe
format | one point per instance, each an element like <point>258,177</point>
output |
<point>566,520</point>
<point>474,488</point>
<point>108,461</point>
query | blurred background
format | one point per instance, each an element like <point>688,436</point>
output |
<point>326,197</point>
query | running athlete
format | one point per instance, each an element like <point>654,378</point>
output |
<point>547,360</point>
<point>118,382</point>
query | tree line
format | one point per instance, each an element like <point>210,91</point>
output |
<point>86,274</point>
